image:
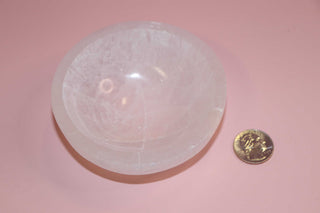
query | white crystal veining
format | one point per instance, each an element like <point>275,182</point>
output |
<point>139,97</point>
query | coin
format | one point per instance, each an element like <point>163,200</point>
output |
<point>253,146</point>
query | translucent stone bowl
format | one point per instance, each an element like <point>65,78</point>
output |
<point>139,97</point>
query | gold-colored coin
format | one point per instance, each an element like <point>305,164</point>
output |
<point>253,146</point>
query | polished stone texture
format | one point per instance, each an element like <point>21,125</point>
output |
<point>139,97</point>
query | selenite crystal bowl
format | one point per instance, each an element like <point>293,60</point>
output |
<point>139,97</point>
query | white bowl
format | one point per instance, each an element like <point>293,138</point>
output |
<point>139,97</point>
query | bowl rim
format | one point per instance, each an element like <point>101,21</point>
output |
<point>72,133</point>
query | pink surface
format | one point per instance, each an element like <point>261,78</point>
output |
<point>270,51</point>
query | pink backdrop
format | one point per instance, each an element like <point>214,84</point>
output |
<point>271,54</point>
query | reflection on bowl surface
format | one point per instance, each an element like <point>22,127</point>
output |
<point>139,97</point>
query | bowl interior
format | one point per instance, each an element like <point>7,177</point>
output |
<point>150,91</point>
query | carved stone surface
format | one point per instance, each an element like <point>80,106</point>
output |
<point>139,97</point>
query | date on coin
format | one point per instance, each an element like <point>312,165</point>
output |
<point>253,146</point>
